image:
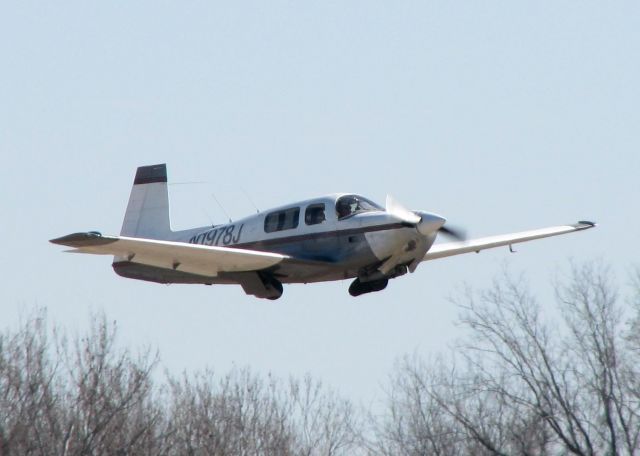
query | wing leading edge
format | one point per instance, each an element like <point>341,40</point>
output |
<point>475,245</point>
<point>180,256</point>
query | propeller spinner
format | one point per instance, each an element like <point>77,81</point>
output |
<point>425,222</point>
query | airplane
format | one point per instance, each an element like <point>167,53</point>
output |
<point>333,237</point>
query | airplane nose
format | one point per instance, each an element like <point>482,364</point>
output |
<point>429,223</point>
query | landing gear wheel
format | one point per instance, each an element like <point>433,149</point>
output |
<point>358,288</point>
<point>275,286</point>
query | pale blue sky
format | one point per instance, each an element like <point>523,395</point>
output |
<point>501,116</point>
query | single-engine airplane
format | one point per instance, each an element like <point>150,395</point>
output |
<point>333,237</point>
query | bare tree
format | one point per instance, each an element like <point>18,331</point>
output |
<point>89,397</point>
<point>325,424</point>
<point>109,404</point>
<point>30,418</point>
<point>524,384</point>
<point>89,400</point>
<point>416,423</point>
<point>528,380</point>
<point>241,413</point>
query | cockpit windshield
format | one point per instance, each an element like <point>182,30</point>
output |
<point>352,204</point>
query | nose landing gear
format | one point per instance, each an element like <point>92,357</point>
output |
<point>358,288</point>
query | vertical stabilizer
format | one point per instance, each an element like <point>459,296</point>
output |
<point>147,213</point>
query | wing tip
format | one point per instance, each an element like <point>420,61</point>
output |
<point>585,224</point>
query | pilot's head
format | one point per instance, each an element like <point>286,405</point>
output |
<point>343,208</point>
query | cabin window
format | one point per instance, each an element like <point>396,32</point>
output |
<point>314,214</point>
<point>282,220</point>
<point>352,204</point>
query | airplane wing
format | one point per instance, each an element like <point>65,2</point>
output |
<point>181,256</point>
<point>475,245</point>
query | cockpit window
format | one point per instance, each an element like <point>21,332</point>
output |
<point>352,204</point>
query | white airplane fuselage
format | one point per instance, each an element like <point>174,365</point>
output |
<point>336,248</point>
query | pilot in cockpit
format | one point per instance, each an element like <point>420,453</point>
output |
<point>345,206</point>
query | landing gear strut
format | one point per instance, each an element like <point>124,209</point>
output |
<point>357,288</point>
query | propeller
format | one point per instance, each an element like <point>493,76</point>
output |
<point>456,233</point>
<point>393,207</point>
<point>425,222</point>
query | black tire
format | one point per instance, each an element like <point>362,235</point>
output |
<point>276,285</point>
<point>358,288</point>
<point>378,285</point>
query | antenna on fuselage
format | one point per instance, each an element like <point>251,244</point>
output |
<point>221,207</point>
<point>206,213</point>
<point>250,200</point>
<point>208,216</point>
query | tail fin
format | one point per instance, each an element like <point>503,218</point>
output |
<point>148,209</point>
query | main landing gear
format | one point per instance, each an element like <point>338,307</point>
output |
<point>274,289</point>
<point>261,285</point>
<point>358,288</point>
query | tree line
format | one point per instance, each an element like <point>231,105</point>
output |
<point>527,378</point>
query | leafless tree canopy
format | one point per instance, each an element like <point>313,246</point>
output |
<point>89,398</point>
<point>529,378</point>
<point>527,382</point>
